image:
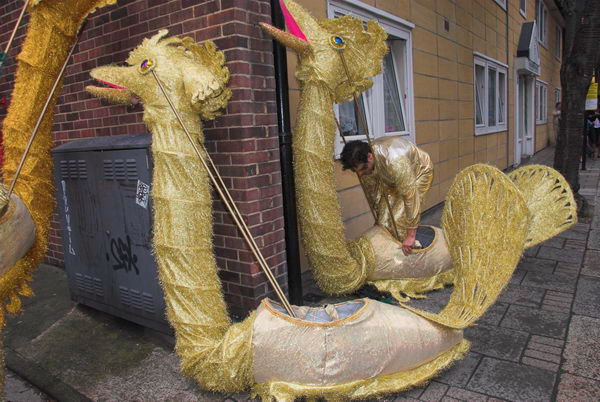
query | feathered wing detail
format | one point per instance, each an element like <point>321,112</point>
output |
<point>550,201</point>
<point>486,221</point>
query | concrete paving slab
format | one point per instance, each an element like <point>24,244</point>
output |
<point>497,342</point>
<point>460,373</point>
<point>573,388</point>
<point>587,298</point>
<point>540,322</point>
<point>512,381</point>
<point>582,350</point>
<point>536,264</point>
<point>557,254</point>
<point>594,240</point>
<point>573,234</point>
<point>522,295</point>
<point>591,263</point>
<point>556,242</point>
<point>494,315</point>
<point>558,281</point>
<point>50,303</point>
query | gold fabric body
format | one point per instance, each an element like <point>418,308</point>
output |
<point>212,351</point>
<point>403,174</point>
<point>391,263</point>
<point>51,32</point>
<point>363,388</point>
<point>17,233</point>
<point>376,340</point>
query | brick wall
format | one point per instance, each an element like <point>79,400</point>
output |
<point>243,142</point>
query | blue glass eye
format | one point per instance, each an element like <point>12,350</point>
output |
<point>337,42</point>
<point>146,66</point>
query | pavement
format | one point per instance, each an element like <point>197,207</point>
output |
<point>539,342</point>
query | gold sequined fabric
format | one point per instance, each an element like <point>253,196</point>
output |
<point>51,32</point>
<point>364,388</point>
<point>391,263</point>
<point>217,354</point>
<point>402,176</point>
<point>343,343</point>
<point>549,199</point>
<point>17,233</point>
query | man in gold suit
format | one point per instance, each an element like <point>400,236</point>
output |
<point>396,169</point>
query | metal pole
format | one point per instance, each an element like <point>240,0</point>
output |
<point>228,200</point>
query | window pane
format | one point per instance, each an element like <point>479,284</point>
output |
<point>522,5</point>
<point>491,97</point>
<point>394,116</point>
<point>479,93</point>
<point>349,121</point>
<point>501,96</point>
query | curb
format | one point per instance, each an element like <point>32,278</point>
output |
<point>41,378</point>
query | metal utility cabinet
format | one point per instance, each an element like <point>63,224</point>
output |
<point>103,193</point>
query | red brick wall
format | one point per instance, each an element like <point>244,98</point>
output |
<point>243,142</point>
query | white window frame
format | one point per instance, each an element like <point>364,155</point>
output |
<point>558,42</point>
<point>523,11</point>
<point>501,93</point>
<point>541,102</point>
<point>541,18</point>
<point>557,95</point>
<point>501,3</point>
<point>373,98</point>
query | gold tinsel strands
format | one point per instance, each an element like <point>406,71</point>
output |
<point>549,199</point>
<point>215,353</point>
<point>53,25</point>
<point>486,221</point>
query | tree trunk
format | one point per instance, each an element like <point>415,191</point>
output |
<point>581,55</point>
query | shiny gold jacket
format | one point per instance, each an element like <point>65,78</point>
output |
<point>403,173</point>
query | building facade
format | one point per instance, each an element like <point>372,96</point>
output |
<point>453,83</point>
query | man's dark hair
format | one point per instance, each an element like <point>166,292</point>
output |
<point>354,152</point>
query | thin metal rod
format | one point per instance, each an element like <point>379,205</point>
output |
<point>39,121</point>
<point>14,32</point>
<point>228,200</point>
<point>362,184</point>
<point>363,118</point>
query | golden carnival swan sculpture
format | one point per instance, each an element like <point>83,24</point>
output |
<point>313,354</point>
<point>486,220</point>
<point>336,58</point>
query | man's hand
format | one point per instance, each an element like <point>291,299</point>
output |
<point>409,241</point>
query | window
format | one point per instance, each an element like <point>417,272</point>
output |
<point>557,95</point>
<point>388,105</point>
<point>523,7</point>
<point>541,18</point>
<point>558,43</point>
<point>541,102</point>
<point>501,3</point>
<point>490,96</point>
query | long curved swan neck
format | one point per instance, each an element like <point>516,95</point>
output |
<point>334,267</point>
<point>180,203</point>
<point>51,32</point>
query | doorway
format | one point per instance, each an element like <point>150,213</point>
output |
<point>524,122</point>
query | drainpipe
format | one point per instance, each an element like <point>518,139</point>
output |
<point>508,92</point>
<point>286,159</point>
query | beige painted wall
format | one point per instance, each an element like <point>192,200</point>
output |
<point>443,89</point>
